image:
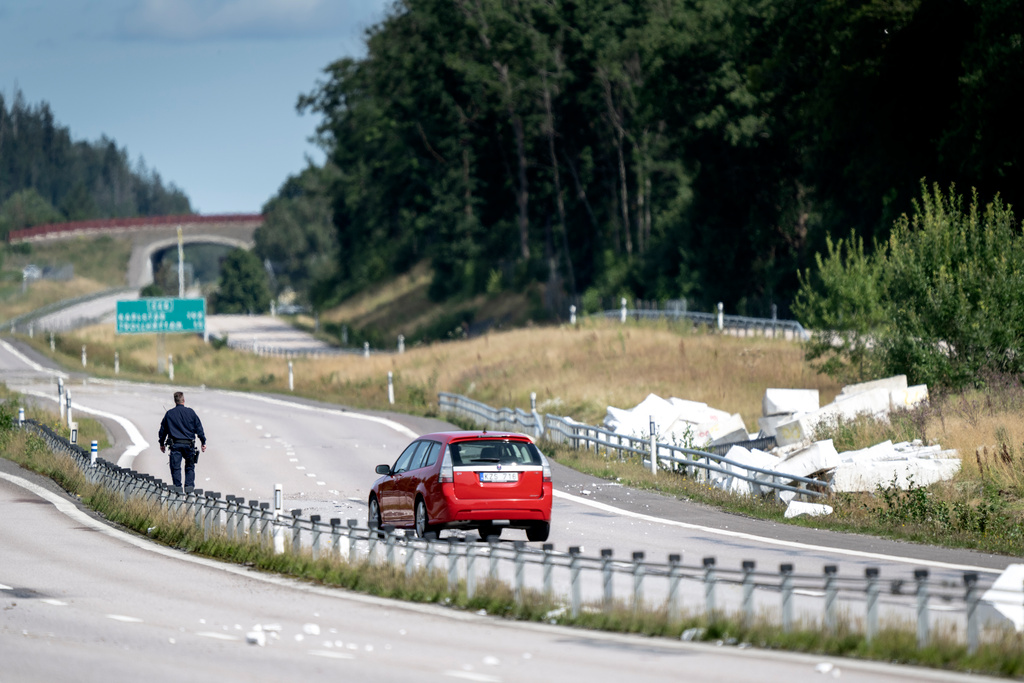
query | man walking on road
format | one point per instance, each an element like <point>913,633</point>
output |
<point>178,430</point>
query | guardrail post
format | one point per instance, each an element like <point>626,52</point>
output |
<point>470,570</point>
<point>229,506</point>
<point>709,588</point>
<point>431,538</point>
<point>314,526</point>
<point>606,578</point>
<point>871,574</point>
<point>371,537</point>
<point>296,531</point>
<point>336,538</point>
<point>971,599</point>
<point>254,515</point>
<point>548,548</point>
<point>787,596</point>
<point>748,593</point>
<point>389,544</point>
<point>453,565</point>
<point>921,577</point>
<point>674,561</point>
<point>265,528</point>
<point>492,569</point>
<point>574,579</point>
<point>410,557</point>
<point>638,580</point>
<point>240,513</point>
<point>520,566</point>
<point>831,623</point>
<point>352,540</point>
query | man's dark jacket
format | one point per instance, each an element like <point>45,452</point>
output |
<point>181,424</point>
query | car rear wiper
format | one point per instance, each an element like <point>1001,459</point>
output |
<point>487,460</point>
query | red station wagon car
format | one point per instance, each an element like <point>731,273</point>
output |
<point>486,481</point>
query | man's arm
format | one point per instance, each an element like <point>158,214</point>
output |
<point>163,433</point>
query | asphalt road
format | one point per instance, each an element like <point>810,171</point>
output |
<point>324,458</point>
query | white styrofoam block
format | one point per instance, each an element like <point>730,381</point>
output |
<point>715,429</point>
<point>768,425</point>
<point>909,397</point>
<point>819,456</point>
<point>781,401</point>
<point>695,412</point>
<point>880,451</point>
<point>743,458</point>
<point>887,383</point>
<point>797,508</point>
<point>1004,602</point>
<point>867,476</point>
<point>872,401</point>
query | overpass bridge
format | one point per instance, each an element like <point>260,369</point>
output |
<point>151,235</point>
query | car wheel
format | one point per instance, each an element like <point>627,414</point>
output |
<point>489,530</point>
<point>538,533</point>
<point>373,513</point>
<point>423,527</point>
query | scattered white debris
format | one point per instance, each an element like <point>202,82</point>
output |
<point>797,508</point>
<point>491,661</point>
<point>311,629</point>
<point>256,638</point>
<point>692,634</point>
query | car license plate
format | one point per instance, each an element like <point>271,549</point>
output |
<point>499,476</point>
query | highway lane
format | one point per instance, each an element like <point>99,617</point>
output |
<point>324,458</point>
<point>82,601</point>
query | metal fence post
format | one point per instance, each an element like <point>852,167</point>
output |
<point>787,596</point>
<point>971,598</point>
<point>389,544</point>
<point>638,580</point>
<point>371,538</point>
<point>471,570</point>
<point>336,538</point>
<point>574,581</point>
<point>831,623</point>
<point>352,523</point>
<point>871,574</point>
<point>240,517</point>
<point>921,577</point>
<point>748,593</point>
<point>296,531</point>
<point>314,526</point>
<point>674,561</point>
<point>229,507</point>
<point>492,569</point>
<point>431,551</point>
<point>520,567</point>
<point>265,518</point>
<point>410,558</point>
<point>709,588</point>
<point>548,548</point>
<point>606,577</point>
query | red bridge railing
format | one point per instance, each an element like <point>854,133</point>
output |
<point>55,229</point>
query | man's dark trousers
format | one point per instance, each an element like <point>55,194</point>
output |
<point>179,453</point>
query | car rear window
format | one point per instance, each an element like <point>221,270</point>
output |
<point>494,452</point>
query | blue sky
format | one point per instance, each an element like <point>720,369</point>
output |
<point>203,90</point>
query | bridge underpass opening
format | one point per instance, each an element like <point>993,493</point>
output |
<point>201,260</point>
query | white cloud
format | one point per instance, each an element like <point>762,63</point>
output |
<point>202,20</point>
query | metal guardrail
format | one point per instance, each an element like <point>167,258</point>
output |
<point>24,322</point>
<point>790,329</point>
<point>668,457</point>
<point>683,590</point>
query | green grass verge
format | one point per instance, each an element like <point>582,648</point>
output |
<point>1001,653</point>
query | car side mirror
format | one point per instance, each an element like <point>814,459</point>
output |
<point>383,469</point>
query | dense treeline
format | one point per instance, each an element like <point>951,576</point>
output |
<point>649,148</point>
<point>46,177</point>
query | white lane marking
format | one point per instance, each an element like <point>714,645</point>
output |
<point>391,424</point>
<point>773,541</point>
<point>29,362</point>
<point>127,620</point>
<point>217,636</point>
<point>470,676</point>
<point>331,655</point>
<point>54,602</point>
<point>139,443</point>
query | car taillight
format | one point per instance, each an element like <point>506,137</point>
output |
<point>547,469</point>
<point>447,475</point>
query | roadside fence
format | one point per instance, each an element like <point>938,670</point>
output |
<point>739,325</point>
<point>570,578</point>
<point>28,323</point>
<point>703,465</point>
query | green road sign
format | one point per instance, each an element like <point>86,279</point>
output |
<point>143,316</point>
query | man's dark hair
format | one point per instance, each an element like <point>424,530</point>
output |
<point>179,398</point>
